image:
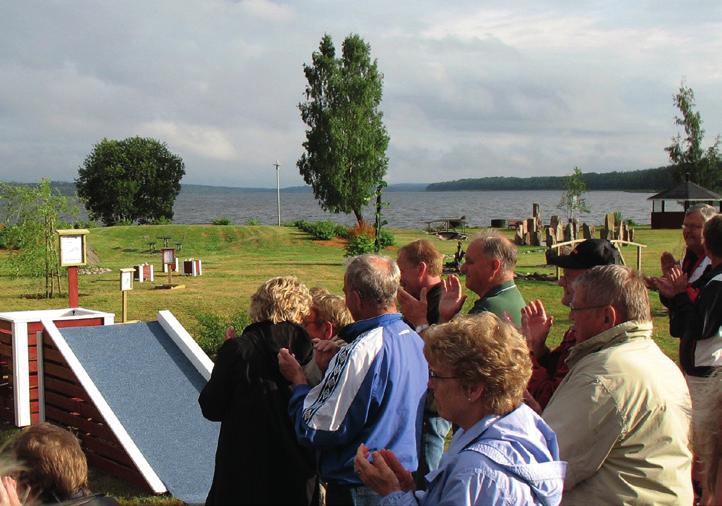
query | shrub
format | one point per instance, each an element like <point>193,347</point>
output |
<point>359,245</point>
<point>222,220</point>
<point>321,230</point>
<point>252,222</point>
<point>386,239</point>
<point>213,329</point>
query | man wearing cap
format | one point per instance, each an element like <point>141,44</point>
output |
<point>549,366</point>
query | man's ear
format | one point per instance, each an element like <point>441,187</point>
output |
<point>611,316</point>
<point>495,266</point>
<point>421,269</point>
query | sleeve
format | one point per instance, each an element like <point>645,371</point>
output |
<point>587,423</point>
<point>215,398</point>
<point>681,314</point>
<point>709,314</point>
<point>549,371</point>
<point>465,488</point>
<point>334,412</point>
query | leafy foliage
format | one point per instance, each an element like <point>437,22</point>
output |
<point>571,201</point>
<point>133,180</point>
<point>687,153</point>
<point>359,245</point>
<point>31,214</point>
<point>346,141</point>
<point>213,328</point>
<point>221,221</point>
<point>322,230</point>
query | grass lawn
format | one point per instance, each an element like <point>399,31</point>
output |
<point>236,259</point>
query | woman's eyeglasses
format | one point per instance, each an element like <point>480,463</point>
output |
<point>434,376</point>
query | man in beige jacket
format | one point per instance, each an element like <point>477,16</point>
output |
<point>621,415</point>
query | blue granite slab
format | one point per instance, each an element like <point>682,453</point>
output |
<point>153,390</point>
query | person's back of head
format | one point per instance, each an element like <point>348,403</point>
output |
<point>713,235</point>
<point>618,286</point>
<point>55,468</point>
<point>706,210</point>
<point>283,298</point>
<point>495,246</point>
<point>424,250</point>
<point>376,280</point>
<point>332,309</point>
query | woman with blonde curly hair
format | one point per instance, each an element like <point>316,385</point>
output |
<point>503,453</point>
<point>258,460</point>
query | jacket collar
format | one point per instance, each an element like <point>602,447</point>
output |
<point>611,337</point>
<point>361,326</point>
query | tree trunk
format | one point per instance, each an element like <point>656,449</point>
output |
<point>359,218</point>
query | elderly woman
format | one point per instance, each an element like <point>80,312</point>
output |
<point>503,452</point>
<point>258,460</point>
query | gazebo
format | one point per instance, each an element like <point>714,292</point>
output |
<point>685,194</point>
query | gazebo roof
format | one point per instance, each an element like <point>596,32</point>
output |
<point>686,191</point>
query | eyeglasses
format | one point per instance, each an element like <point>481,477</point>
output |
<point>572,308</point>
<point>434,376</point>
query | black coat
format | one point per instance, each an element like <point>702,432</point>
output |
<point>258,460</point>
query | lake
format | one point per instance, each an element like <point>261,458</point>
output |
<point>405,210</point>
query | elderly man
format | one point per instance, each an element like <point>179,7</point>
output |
<point>549,366</point>
<point>489,269</point>
<point>373,389</point>
<point>621,415</point>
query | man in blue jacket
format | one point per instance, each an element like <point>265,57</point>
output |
<point>373,390</point>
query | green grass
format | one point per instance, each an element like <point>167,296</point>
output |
<point>236,259</point>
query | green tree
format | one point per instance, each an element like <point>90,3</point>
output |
<point>133,180</point>
<point>572,200</point>
<point>31,215</point>
<point>686,153</point>
<point>345,148</point>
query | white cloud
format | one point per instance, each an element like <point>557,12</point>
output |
<point>205,141</point>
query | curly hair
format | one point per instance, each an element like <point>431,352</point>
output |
<point>283,298</point>
<point>331,308</point>
<point>55,465</point>
<point>483,350</point>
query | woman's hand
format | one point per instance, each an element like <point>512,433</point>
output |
<point>9,492</point>
<point>290,368</point>
<point>378,475</point>
<point>535,325</point>
<point>323,352</point>
<point>452,299</point>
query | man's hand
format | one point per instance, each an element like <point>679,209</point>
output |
<point>377,475</point>
<point>535,325</point>
<point>452,299</point>
<point>290,368</point>
<point>413,309</point>
<point>675,282</point>
<point>9,492</point>
<point>323,352</point>
<point>666,262</point>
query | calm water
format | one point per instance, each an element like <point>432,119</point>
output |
<point>405,210</point>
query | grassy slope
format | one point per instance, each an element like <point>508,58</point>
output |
<point>236,259</point>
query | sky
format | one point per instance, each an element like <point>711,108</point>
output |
<point>471,88</point>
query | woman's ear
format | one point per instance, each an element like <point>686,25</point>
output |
<point>474,393</point>
<point>327,330</point>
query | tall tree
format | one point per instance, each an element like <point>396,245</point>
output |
<point>32,214</point>
<point>345,148</point>
<point>133,180</point>
<point>572,200</point>
<point>686,153</point>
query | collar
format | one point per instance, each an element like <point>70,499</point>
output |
<point>361,326</point>
<point>610,337</point>
<point>503,287</point>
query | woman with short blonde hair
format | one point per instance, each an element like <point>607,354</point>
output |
<point>258,460</point>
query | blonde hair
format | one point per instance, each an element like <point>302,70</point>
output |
<point>483,350</point>
<point>423,250</point>
<point>618,286</point>
<point>332,308</point>
<point>55,464</point>
<point>279,299</point>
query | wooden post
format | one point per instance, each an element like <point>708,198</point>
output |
<point>124,311</point>
<point>73,286</point>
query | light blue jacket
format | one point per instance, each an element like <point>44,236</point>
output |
<point>373,392</point>
<point>500,460</point>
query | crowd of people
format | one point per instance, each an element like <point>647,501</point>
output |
<point>330,400</point>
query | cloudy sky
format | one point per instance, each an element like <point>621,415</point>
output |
<point>471,88</point>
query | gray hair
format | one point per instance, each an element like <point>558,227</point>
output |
<point>618,286</point>
<point>706,210</point>
<point>376,279</point>
<point>495,245</point>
